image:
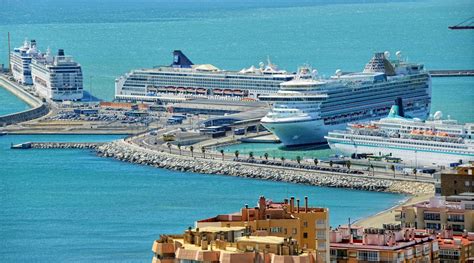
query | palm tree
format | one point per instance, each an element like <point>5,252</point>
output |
<point>392,167</point>
<point>236,153</point>
<point>316,161</point>
<point>222,153</point>
<point>373,169</point>
<point>250,155</point>
<point>179,148</point>
<point>203,150</point>
<point>191,149</point>
<point>414,172</point>
<point>331,163</point>
<point>298,159</point>
<point>282,160</point>
<point>348,164</point>
<point>169,146</point>
<point>266,156</point>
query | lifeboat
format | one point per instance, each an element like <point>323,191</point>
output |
<point>416,132</point>
<point>190,90</point>
<point>429,133</point>
<point>442,134</point>
<point>181,89</point>
<point>201,90</point>
<point>171,88</point>
<point>372,126</point>
<point>248,99</point>
<point>217,91</point>
<point>238,92</point>
<point>228,92</point>
<point>162,89</point>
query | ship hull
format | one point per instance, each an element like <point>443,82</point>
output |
<point>312,131</point>
<point>416,158</point>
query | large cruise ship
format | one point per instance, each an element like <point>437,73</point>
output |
<point>431,142</point>
<point>57,77</point>
<point>187,80</point>
<point>305,109</point>
<point>20,61</point>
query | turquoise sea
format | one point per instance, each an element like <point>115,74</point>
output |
<point>10,103</point>
<point>59,205</point>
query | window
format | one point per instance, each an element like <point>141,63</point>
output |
<point>321,234</point>
<point>433,226</point>
<point>294,231</point>
<point>368,255</point>
<point>432,216</point>
<point>305,235</point>
<point>305,223</point>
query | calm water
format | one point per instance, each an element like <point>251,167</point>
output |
<point>60,205</point>
<point>9,103</point>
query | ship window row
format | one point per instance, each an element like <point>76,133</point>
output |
<point>204,82</point>
<point>371,99</point>
<point>371,140</point>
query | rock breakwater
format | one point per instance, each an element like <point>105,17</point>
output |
<point>65,145</point>
<point>128,152</point>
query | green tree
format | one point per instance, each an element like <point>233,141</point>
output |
<point>191,149</point>
<point>298,159</point>
<point>331,163</point>
<point>251,155</point>
<point>203,150</point>
<point>236,153</point>
<point>316,161</point>
<point>348,164</point>
<point>179,148</point>
<point>282,160</point>
<point>169,146</point>
<point>265,155</point>
<point>222,153</point>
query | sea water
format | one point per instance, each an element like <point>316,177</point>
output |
<point>70,205</point>
<point>59,205</point>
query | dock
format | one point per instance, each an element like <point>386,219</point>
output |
<point>452,73</point>
<point>56,145</point>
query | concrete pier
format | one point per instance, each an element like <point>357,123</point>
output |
<point>39,108</point>
<point>57,145</point>
<point>452,73</point>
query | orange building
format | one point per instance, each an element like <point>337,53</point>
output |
<point>269,232</point>
<point>389,244</point>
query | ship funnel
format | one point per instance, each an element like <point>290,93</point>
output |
<point>180,60</point>
<point>399,103</point>
<point>60,52</point>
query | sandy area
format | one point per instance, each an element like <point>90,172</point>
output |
<point>388,216</point>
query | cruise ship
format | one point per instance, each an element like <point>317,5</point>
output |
<point>306,108</point>
<point>58,78</point>
<point>435,141</point>
<point>20,61</point>
<point>187,80</point>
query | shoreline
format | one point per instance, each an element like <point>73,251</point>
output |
<point>387,216</point>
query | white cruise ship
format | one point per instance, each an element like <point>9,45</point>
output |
<point>184,79</point>
<point>20,60</point>
<point>305,109</point>
<point>432,142</point>
<point>58,78</point>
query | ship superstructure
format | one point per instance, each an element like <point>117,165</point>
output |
<point>435,141</point>
<point>57,77</point>
<point>346,97</point>
<point>20,61</point>
<point>184,79</point>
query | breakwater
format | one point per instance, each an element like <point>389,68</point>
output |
<point>57,145</point>
<point>38,109</point>
<point>128,152</point>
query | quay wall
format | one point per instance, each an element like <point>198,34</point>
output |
<point>66,145</point>
<point>38,109</point>
<point>128,152</point>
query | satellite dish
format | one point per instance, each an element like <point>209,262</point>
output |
<point>386,54</point>
<point>314,72</point>
<point>338,72</point>
<point>261,64</point>
<point>438,115</point>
